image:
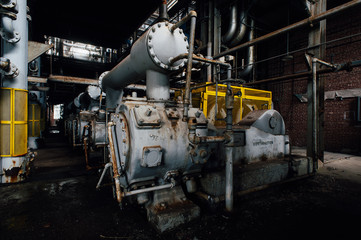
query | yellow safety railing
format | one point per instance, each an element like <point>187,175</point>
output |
<point>245,101</point>
<point>13,122</point>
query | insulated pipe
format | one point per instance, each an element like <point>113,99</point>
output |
<point>308,21</point>
<point>250,54</point>
<point>232,24</point>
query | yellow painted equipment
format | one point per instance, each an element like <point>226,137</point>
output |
<point>34,120</point>
<point>245,101</point>
<point>13,122</point>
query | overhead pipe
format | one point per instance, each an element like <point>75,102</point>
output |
<point>308,21</point>
<point>232,24</point>
<point>250,54</point>
<point>242,27</point>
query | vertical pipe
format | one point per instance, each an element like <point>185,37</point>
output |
<point>315,114</point>
<point>157,85</point>
<point>209,68</point>
<point>229,179</point>
<point>229,145</point>
<point>189,66</point>
<point>163,15</point>
<point>250,54</point>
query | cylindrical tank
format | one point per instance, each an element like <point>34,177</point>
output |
<point>152,51</point>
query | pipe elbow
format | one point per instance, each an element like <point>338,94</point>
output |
<point>232,25</point>
<point>193,13</point>
<point>8,33</point>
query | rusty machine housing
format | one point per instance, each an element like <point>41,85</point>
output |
<point>163,150</point>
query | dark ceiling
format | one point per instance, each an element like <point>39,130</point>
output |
<point>106,23</point>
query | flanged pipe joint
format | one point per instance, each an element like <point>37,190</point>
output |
<point>149,59</point>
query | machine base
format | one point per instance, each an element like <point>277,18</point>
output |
<point>255,176</point>
<point>167,215</point>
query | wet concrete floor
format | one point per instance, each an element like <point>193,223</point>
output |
<point>59,201</point>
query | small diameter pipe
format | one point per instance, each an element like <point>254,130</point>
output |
<point>190,15</point>
<point>116,176</point>
<point>193,16</point>
<point>150,189</point>
<point>315,114</point>
<point>108,165</point>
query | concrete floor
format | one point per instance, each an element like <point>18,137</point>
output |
<point>59,201</point>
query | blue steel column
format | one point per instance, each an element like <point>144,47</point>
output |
<point>17,53</point>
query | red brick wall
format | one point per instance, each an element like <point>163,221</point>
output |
<point>342,133</point>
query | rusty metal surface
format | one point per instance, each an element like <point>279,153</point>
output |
<point>116,175</point>
<point>37,79</point>
<point>69,79</point>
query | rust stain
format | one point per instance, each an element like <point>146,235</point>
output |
<point>12,174</point>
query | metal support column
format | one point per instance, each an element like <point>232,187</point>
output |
<point>315,110</point>
<point>13,96</point>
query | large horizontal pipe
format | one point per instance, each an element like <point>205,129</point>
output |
<point>68,79</point>
<point>308,21</point>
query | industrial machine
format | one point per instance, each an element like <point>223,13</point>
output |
<point>85,123</point>
<point>162,151</point>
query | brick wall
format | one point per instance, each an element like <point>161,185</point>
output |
<point>342,133</point>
